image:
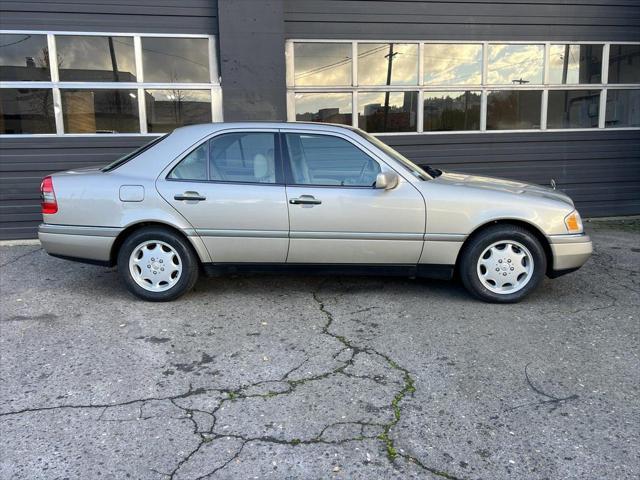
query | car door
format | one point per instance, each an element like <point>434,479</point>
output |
<point>335,213</point>
<point>230,188</point>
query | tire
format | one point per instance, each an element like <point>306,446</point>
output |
<point>502,264</point>
<point>156,249</point>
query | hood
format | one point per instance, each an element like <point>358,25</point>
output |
<point>502,185</point>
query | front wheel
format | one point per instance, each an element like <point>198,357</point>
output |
<point>502,264</point>
<point>157,265</point>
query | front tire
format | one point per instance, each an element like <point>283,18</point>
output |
<point>157,265</point>
<point>502,264</point>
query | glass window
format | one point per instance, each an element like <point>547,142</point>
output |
<point>445,111</point>
<point>193,166</point>
<point>575,64</point>
<point>89,58</point>
<point>100,111</point>
<point>329,161</point>
<point>323,107</point>
<point>623,108</point>
<point>513,109</point>
<point>170,109</point>
<point>515,64</point>
<point>175,60</point>
<point>25,110</point>
<point>624,64</point>
<point>24,57</point>
<point>452,64</point>
<point>387,63</point>
<point>322,64</point>
<point>387,111</point>
<point>243,157</point>
<point>573,108</point>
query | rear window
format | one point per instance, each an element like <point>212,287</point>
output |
<point>130,156</point>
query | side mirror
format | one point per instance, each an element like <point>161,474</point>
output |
<point>387,180</point>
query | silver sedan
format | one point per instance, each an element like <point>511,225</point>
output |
<point>297,197</point>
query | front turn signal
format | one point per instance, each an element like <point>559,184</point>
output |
<point>573,222</point>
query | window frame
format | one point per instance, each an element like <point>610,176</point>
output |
<point>278,159</point>
<point>286,161</point>
<point>484,87</point>
<point>213,86</point>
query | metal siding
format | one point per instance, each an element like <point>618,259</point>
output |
<point>464,19</point>
<point>141,16</point>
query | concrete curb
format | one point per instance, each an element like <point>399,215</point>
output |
<point>19,243</point>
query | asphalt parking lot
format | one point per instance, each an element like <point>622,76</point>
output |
<point>316,377</point>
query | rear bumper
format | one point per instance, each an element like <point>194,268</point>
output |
<point>569,252</point>
<point>92,244</point>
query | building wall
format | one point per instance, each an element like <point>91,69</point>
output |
<point>600,169</point>
<point>141,16</point>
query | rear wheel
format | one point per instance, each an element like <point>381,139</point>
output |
<point>157,265</point>
<point>503,264</point>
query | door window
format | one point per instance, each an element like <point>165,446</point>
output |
<point>328,161</point>
<point>193,166</point>
<point>243,157</point>
<point>232,157</point>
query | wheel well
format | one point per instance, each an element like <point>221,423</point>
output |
<point>122,236</point>
<point>527,226</point>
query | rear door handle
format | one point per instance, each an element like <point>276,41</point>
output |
<point>189,196</point>
<point>305,200</point>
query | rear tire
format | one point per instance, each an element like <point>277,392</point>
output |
<point>502,264</point>
<point>157,265</point>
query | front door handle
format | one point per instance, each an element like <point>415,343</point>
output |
<point>305,200</point>
<point>189,196</point>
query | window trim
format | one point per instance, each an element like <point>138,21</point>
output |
<point>484,87</point>
<point>214,85</point>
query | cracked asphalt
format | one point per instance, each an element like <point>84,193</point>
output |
<point>320,377</point>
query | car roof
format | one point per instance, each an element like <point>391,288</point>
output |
<point>205,128</point>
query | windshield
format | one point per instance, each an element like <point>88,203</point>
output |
<point>415,170</point>
<point>122,160</point>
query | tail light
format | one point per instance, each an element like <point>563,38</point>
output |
<point>48,197</point>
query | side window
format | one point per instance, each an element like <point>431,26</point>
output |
<point>193,166</point>
<point>243,157</point>
<point>327,160</point>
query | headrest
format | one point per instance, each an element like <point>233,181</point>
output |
<point>260,166</point>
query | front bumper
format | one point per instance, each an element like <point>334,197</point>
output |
<point>90,244</point>
<point>570,252</point>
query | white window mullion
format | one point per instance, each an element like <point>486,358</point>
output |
<point>137,52</point>
<point>545,72</point>
<point>214,75</point>
<point>420,112</point>
<point>55,78</point>
<point>420,63</point>
<point>354,108</point>
<point>216,104</point>
<point>483,110</point>
<point>291,106</point>
<point>289,62</point>
<point>544,109</point>
<point>142,110</point>
<point>354,64</point>
<point>602,113</point>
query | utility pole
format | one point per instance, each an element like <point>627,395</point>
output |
<point>389,56</point>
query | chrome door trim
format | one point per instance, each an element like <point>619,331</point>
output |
<point>79,230</point>
<point>357,235</point>
<point>210,232</point>
<point>445,237</point>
